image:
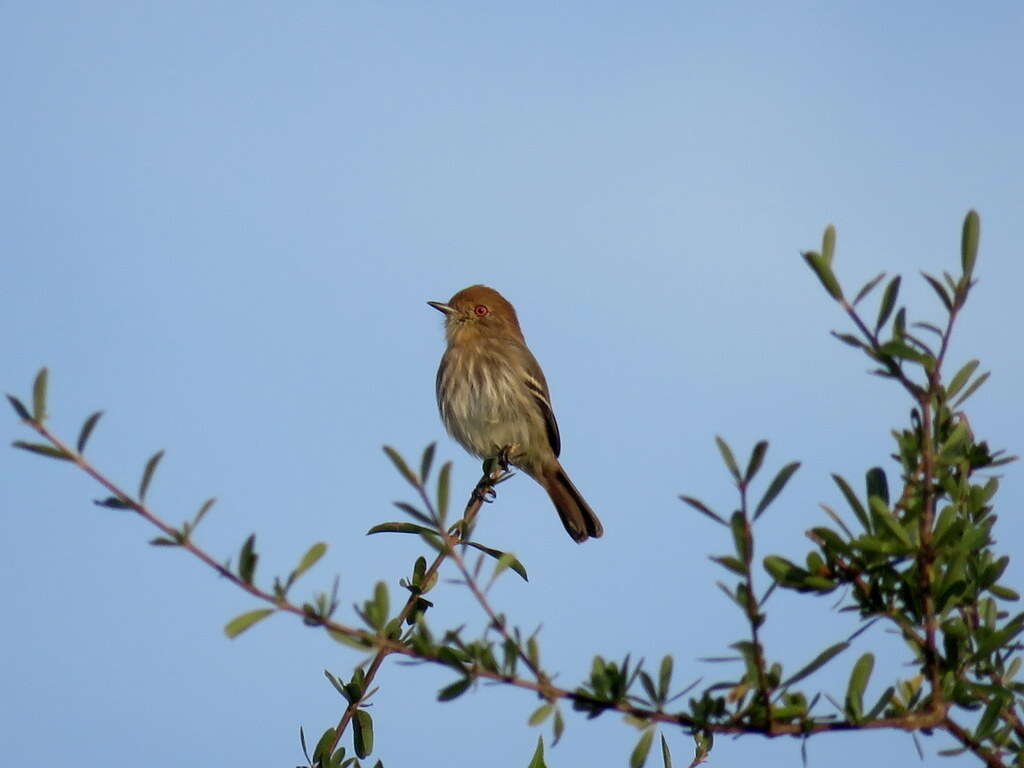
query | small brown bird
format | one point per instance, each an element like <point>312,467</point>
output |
<point>492,396</point>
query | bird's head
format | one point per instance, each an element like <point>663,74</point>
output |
<point>478,311</point>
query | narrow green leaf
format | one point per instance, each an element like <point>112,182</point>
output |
<point>775,487</point>
<point>888,519</point>
<point>877,484</point>
<point>542,713</point>
<point>399,528</point>
<point>43,450</point>
<point>39,395</point>
<point>147,473</point>
<point>427,461</point>
<point>741,536</point>
<point>163,541</point>
<point>756,460</point>
<point>828,244</point>
<point>401,466</point>
<point>729,563</point>
<point>239,624</point>
<point>858,682</point>
<point>313,554</point>
<point>247,559</point>
<point>824,272</point>
<point>972,389</point>
<point>854,502</point>
<point>113,503</point>
<point>507,557</point>
<point>940,290</point>
<point>728,458</point>
<point>642,748</point>
<point>989,718</point>
<point>817,663</point>
<point>960,378</point>
<point>443,484</point>
<point>969,243</point>
<point>454,690</point>
<point>666,756</point>
<point>850,340</point>
<point>703,509</point>
<point>381,600</point>
<point>664,677</point>
<point>892,291</point>
<point>537,761</point>
<point>19,408</point>
<point>203,510</point>
<point>881,704</point>
<point>362,733</point>
<point>558,728</point>
<point>87,427</point>
<point>868,287</point>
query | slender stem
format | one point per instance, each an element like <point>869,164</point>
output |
<point>991,759</point>
<point>476,500</point>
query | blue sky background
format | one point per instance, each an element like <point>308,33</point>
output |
<point>221,223</point>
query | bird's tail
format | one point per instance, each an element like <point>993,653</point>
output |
<point>577,516</point>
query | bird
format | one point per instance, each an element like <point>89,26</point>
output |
<point>494,399</point>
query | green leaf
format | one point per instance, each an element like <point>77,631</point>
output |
<point>888,519</point>
<point>87,427</point>
<point>666,756</point>
<point>323,747</point>
<point>247,559</point>
<point>558,728</point>
<point>313,554</point>
<point>239,624</point>
<point>775,487</point>
<point>642,748</point>
<point>399,528</point>
<point>19,408</point>
<point>537,761</point>
<point>729,563</point>
<point>741,536</point>
<point>877,485</point>
<point>817,663</point>
<point>940,290</point>
<point>703,509</point>
<point>43,450</point>
<point>853,501</point>
<point>147,473</point>
<point>163,541</point>
<point>858,682</point>
<point>892,291</point>
<point>664,677</point>
<point>728,458</point>
<point>542,713</point>
<point>39,395</point>
<point>507,557</point>
<point>202,511</point>
<point>401,466</point>
<point>362,733</point>
<point>113,503</point>
<point>969,243</point>
<point>828,244</point>
<point>756,460</point>
<point>868,287</point>
<point>454,690</point>
<point>972,389</point>
<point>427,461</point>
<point>960,378</point>
<point>823,270</point>
<point>381,600</point>
<point>443,484</point>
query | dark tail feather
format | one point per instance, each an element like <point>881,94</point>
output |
<point>577,516</point>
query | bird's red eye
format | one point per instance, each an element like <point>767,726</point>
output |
<point>480,310</point>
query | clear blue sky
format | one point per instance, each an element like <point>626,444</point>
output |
<point>221,223</point>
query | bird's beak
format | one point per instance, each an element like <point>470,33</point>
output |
<point>441,307</point>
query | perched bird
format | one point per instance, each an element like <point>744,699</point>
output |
<point>493,398</point>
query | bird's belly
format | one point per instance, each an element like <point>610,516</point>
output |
<point>491,411</point>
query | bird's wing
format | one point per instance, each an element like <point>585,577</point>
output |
<point>538,387</point>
